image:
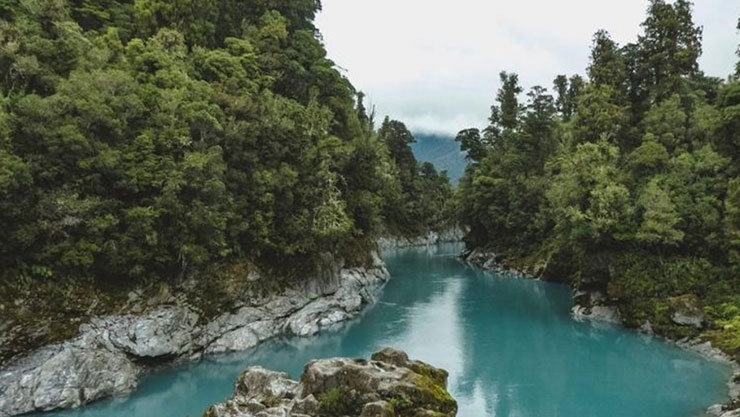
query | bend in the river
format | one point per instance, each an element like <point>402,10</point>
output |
<point>509,344</point>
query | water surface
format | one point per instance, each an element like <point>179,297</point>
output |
<point>509,344</point>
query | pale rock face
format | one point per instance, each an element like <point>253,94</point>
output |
<point>371,384</point>
<point>104,359</point>
<point>453,234</point>
<point>686,311</point>
<point>594,306</point>
<point>65,376</point>
<point>167,332</point>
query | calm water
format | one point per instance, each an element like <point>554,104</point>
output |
<point>509,345</point>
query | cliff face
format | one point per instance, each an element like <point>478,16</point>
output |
<point>112,352</point>
<point>388,385</point>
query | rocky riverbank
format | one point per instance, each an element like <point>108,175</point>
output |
<point>592,304</point>
<point>388,385</point>
<point>111,353</point>
<point>454,234</point>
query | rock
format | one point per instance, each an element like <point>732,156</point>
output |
<point>593,305</point>
<point>453,234</point>
<point>720,411</point>
<point>166,332</point>
<point>65,376</point>
<point>685,311</point>
<point>490,261</point>
<point>647,328</point>
<point>386,386</point>
<point>378,409</point>
<point>112,352</point>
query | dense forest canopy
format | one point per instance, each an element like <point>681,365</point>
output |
<point>141,140</point>
<point>627,181</point>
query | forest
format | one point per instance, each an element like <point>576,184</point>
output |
<point>626,181</point>
<point>146,142</point>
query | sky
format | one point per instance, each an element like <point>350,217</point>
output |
<point>434,64</point>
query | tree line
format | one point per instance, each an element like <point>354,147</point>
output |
<point>146,140</point>
<point>626,181</point>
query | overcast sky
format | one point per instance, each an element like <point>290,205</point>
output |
<point>434,64</point>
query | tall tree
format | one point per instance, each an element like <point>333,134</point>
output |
<point>670,46</point>
<point>507,110</point>
<point>607,66</point>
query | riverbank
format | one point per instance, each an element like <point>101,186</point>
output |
<point>112,352</point>
<point>431,238</point>
<point>594,305</point>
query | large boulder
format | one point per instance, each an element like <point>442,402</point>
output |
<point>388,385</point>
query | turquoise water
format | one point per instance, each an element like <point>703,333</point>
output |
<point>509,345</point>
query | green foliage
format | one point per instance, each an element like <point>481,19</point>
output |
<point>150,140</point>
<point>338,402</point>
<point>422,203</point>
<point>659,217</point>
<point>630,185</point>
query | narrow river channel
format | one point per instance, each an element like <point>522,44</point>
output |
<point>509,344</point>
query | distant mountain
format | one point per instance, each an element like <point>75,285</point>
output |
<point>443,152</point>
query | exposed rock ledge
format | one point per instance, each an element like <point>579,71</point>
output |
<point>490,261</point>
<point>593,305</point>
<point>454,234</point>
<point>111,353</point>
<point>386,386</point>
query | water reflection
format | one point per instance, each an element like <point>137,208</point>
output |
<point>509,345</point>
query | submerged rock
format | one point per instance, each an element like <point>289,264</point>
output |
<point>593,305</point>
<point>112,352</point>
<point>388,385</point>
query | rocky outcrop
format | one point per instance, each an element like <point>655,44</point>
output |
<point>388,385</point>
<point>686,311</point>
<point>453,234</point>
<point>490,261</point>
<point>593,305</point>
<point>587,305</point>
<point>111,353</point>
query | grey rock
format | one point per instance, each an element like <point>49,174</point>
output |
<point>104,359</point>
<point>65,376</point>
<point>166,332</point>
<point>453,234</point>
<point>593,305</point>
<point>371,384</point>
<point>378,409</point>
<point>686,311</point>
<point>491,261</point>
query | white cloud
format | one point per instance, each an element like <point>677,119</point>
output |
<point>434,64</point>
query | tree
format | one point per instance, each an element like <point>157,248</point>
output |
<point>574,91</point>
<point>538,125</point>
<point>732,221</point>
<point>598,117</point>
<point>590,206</point>
<point>659,217</point>
<point>737,66</point>
<point>560,85</point>
<point>505,114</point>
<point>472,143</point>
<point>670,46</point>
<point>607,67</point>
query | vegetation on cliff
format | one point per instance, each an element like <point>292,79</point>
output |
<point>145,141</point>
<point>626,182</point>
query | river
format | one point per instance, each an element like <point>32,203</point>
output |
<point>510,346</point>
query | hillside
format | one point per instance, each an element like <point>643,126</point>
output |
<point>443,152</point>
